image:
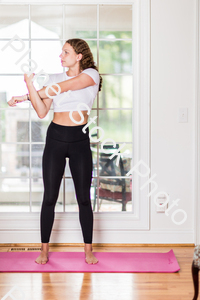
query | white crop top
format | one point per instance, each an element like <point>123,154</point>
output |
<point>68,101</point>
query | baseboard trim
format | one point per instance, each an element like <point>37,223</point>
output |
<point>94,245</point>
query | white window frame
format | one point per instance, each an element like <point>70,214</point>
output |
<point>112,227</point>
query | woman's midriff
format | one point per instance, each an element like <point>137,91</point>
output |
<point>63,118</point>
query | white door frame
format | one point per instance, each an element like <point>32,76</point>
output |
<point>197,132</point>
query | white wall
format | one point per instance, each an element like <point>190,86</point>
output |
<point>173,38</point>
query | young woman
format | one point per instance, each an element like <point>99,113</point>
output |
<point>65,138</point>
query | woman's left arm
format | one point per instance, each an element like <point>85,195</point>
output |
<point>79,82</point>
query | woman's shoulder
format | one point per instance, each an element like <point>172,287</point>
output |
<point>93,73</point>
<point>90,70</point>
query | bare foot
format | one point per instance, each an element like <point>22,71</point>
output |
<point>42,258</point>
<point>89,256</point>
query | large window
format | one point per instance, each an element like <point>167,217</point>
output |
<point>43,29</point>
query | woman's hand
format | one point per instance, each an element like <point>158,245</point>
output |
<point>16,99</point>
<point>27,79</point>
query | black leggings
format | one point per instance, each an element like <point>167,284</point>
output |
<point>61,142</point>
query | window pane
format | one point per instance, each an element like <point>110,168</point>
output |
<point>37,153</point>
<point>38,192</point>
<point>14,20</point>
<point>67,168</point>
<point>14,160</point>
<point>71,204</point>
<point>46,55</point>
<point>9,57</point>
<point>14,125</point>
<point>115,57</point>
<point>93,113</point>
<point>39,126</point>
<point>117,124</point>
<point>70,196</point>
<point>36,131</point>
<point>14,194</point>
<point>46,21</point>
<point>12,86</point>
<point>113,166</point>
<point>80,21</point>
<point>116,92</point>
<point>115,194</point>
<point>95,103</point>
<point>115,21</point>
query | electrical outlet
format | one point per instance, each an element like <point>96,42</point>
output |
<point>160,200</point>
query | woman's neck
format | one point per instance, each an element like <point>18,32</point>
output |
<point>72,73</point>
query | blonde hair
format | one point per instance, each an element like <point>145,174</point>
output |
<point>87,60</point>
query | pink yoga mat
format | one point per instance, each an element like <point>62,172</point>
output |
<point>109,262</point>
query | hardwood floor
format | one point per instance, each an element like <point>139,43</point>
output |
<point>104,286</point>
